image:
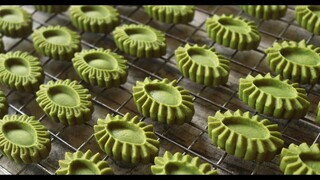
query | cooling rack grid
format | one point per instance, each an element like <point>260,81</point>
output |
<point>191,138</point>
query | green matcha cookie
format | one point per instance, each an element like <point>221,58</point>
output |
<point>233,32</point>
<point>140,40</point>
<point>79,163</point>
<point>179,164</point>
<point>57,42</point>
<point>65,101</point>
<point>245,136</point>
<point>23,139</point>
<point>94,18</point>
<point>296,61</point>
<point>15,22</point>
<point>265,12</point>
<point>21,71</point>
<point>3,104</point>
<point>272,97</point>
<point>170,14</point>
<point>100,67</point>
<point>202,65</point>
<point>308,17</point>
<point>300,160</point>
<point>127,140</point>
<point>163,101</point>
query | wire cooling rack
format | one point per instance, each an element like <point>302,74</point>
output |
<point>191,138</point>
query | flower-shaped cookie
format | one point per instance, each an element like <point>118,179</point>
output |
<point>140,40</point>
<point>233,32</point>
<point>127,140</point>
<point>296,61</point>
<point>265,12</point>
<point>179,164</point>
<point>163,101</point>
<point>100,67</point>
<point>245,136</point>
<point>15,21</point>
<point>21,71</point>
<point>65,101</point>
<point>300,160</point>
<point>308,17</point>
<point>51,8</point>
<point>202,65</point>
<point>80,163</point>
<point>94,18</point>
<point>272,97</point>
<point>170,13</point>
<point>23,139</point>
<point>57,42</point>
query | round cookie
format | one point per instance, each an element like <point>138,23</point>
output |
<point>126,139</point>
<point>100,67</point>
<point>234,32</point>
<point>94,18</point>
<point>57,42</point>
<point>140,40</point>
<point>65,101</point>
<point>23,139</point>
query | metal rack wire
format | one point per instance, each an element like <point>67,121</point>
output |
<point>190,138</point>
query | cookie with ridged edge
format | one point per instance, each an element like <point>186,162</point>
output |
<point>101,67</point>
<point>170,13</point>
<point>65,101</point>
<point>308,17</point>
<point>300,160</point>
<point>245,136</point>
<point>3,104</point>
<point>202,65</point>
<point>23,139</point>
<point>54,9</point>
<point>273,97</point>
<point>94,18</point>
<point>1,45</point>
<point>57,42</point>
<point>233,31</point>
<point>178,164</point>
<point>163,101</point>
<point>21,71</point>
<point>79,163</point>
<point>265,12</point>
<point>15,21</point>
<point>126,139</point>
<point>140,40</point>
<point>296,61</point>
